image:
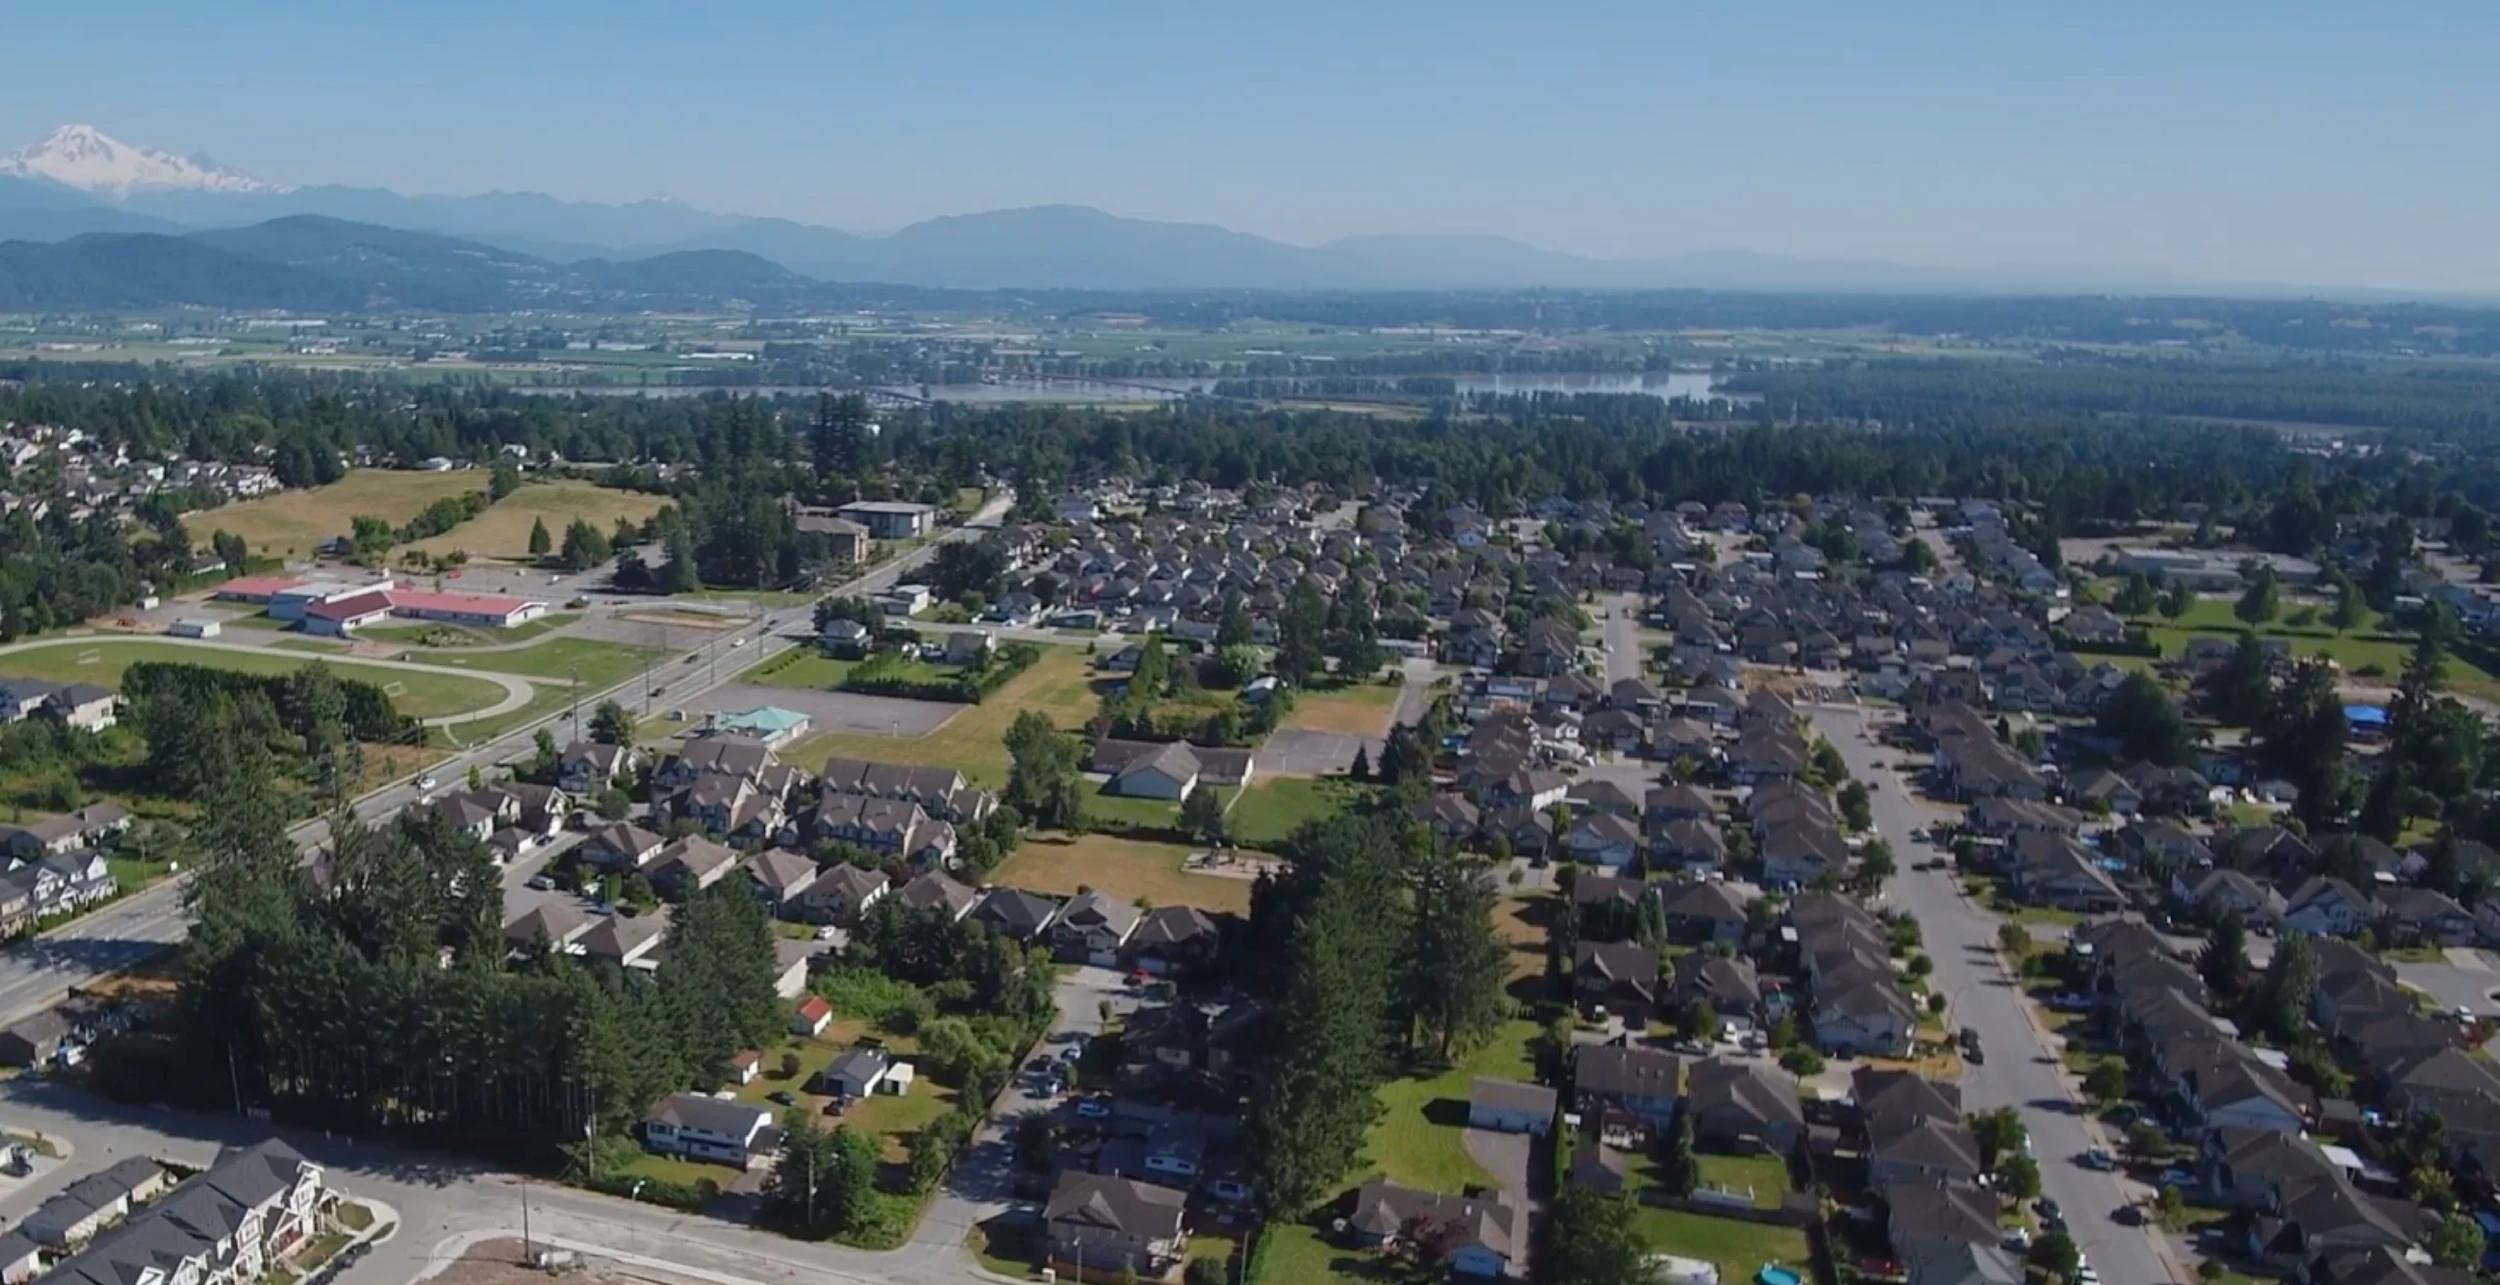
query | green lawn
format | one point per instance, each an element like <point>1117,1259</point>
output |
<point>598,665</point>
<point>1740,1247</point>
<point>1294,1254</point>
<point>1102,808</point>
<point>463,636</point>
<point>1008,1244</point>
<point>2362,646</point>
<point>426,695</point>
<point>812,669</point>
<point>545,699</point>
<point>1417,1140</point>
<point>1263,815</point>
<point>1765,1176</point>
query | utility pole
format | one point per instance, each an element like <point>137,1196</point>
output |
<point>573,674</point>
<point>526,1255</point>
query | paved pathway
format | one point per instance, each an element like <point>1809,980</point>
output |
<point>516,691</point>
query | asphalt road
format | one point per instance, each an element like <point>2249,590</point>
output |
<point>2023,1069</point>
<point>38,974</point>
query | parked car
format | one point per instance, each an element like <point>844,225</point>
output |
<point>540,883</point>
<point>2099,1158</point>
<point>781,1097</point>
<point>2176,1177</point>
<point>1093,1109</point>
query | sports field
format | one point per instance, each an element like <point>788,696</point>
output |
<point>597,664</point>
<point>295,522</point>
<point>503,530</point>
<point>417,693</point>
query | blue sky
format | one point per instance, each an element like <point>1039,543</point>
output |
<point>2290,141</point>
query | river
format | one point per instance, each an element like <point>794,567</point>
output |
<point>1664,385</point>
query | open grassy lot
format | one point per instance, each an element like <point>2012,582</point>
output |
<point>974,739</point>
<point>503,530</point>
<point>425,695</point>
<point>1739,1247</point>
<point>595,663</point>
<point>1061,863</point>
<point>1103,809</point>
<point>1418,1138</point>
<point>545,699</point>
<point>295,522</point>
<point>2364,646</point>
<point>812,669</point>
<point>1358,709</point>
<point>459,635</point>
<point>1263,815</point>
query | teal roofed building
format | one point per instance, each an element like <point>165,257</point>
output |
<point>770,724</point>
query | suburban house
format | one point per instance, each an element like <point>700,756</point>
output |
<point>1099,1223</point>
<point>698,1126</point>
<point>1015,913</point>
<point>1628,1094</point>
<point>1092,927</point>
<point>1619,977</point>
<point>2327,907</point>
<point>863,1071</point>
<point>837,896</point>
<point>226,1224</point>
<point>1744,1107</point>
<point>1486,1236</point>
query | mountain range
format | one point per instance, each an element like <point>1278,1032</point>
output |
<point>79,181</point>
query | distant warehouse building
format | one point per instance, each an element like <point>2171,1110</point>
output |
<point>891,519</point>
<point>333,608</point>
<point>2225,571</point>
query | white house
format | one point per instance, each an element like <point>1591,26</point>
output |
<point>711,1129</point>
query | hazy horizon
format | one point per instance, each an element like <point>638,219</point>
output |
<point>2284,144</point>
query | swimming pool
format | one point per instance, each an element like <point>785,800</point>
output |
<point>1770,1275</point>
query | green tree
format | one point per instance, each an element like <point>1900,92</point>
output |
<point>1856,810</point>
<point>1679,1171</point>
<point>2144,721</point>
<point>1696,1020</point>
<point>1456,962</point>
<point>2107,1081</point>
<point>1202,815</point>
<point>1045,772</point>
<point>2224,961</point>
<point>2019,1177</point>
<point>2458,1242</point>
<point>2136,597</point>
<point>2261,601</point>
<point>540,542</point>
<point>611,725</point>
<point>2348,608</point>
<point>2055,1253</point>
<point>2176,600</point>
<point>1999,1134</point>
<point>2289,985</point>
<point>1589,1239</point>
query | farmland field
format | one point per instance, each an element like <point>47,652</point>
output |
<point>294,522</point>
<point>427,695</point>
<point>503,530</point>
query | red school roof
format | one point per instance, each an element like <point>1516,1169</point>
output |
<point>484,604</point>
<point>362,605</point>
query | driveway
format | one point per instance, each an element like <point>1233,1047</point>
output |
<point>1510,1158</point>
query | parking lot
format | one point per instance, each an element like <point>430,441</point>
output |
<point>826,711</point>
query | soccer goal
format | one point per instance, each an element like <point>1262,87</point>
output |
<point>91,656</point>
<point>394,689</point>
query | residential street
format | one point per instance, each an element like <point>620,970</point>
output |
<point>2022,1067</point>
<point>39,973</point>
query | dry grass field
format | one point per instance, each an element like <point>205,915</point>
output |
<point>1359,709</point>
<point>974,738</point>
<point>294,522</point>
<point>1125,868</point>
<point>503,530</point>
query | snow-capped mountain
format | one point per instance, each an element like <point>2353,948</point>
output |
<point>87,158</point>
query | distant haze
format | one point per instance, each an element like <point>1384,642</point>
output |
<point>2121,146</point>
